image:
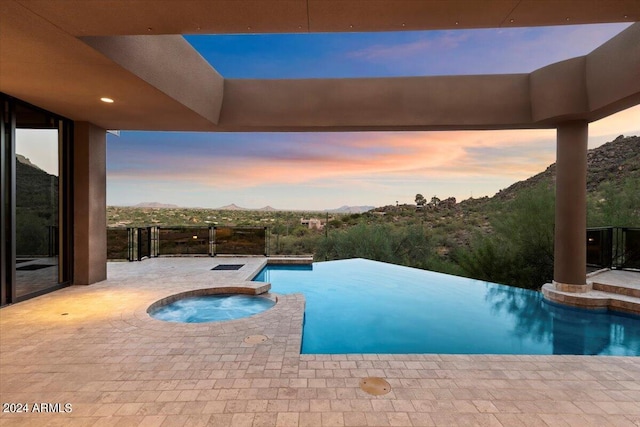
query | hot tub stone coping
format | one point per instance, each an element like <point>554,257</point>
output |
<point>250,288</point>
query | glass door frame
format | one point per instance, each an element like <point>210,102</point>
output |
<point>8,200</point>
<point>8,123</point>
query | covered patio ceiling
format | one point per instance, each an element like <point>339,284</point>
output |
<point>65,56</point>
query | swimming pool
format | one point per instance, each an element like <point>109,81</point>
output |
<point>363,306</point>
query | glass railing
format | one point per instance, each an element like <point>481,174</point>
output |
<point>240,241</point>
<point>138,243</point>
<point>613,247</point>
<point>630,242</point>
<point>184,241</point>
<point>118,243</point>
<point>600,247</point>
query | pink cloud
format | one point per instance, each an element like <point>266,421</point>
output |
<point>486,51</point>
<point>625,122</point>
<point>417,153</point>
<point>508,155</point>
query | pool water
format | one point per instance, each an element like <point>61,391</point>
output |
<point>362,306</point>
<point>211,308</point>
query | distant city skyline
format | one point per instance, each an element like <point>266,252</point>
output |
<point>328,170</point>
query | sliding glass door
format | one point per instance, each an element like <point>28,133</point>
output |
<point>37,194</point>
<point>36,159</point>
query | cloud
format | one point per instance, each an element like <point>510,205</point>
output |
<point>351,156</point>
<point>625,122</point>
<point>305,166</point>
<point>425,43</point>
<point>307,170</point>
<point>481,51</point>
<point>375,162</point>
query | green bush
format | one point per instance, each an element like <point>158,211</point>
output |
<point>615,206</point>
<point>520,252</point>
<point>294,245</point>
<point>408,245</point>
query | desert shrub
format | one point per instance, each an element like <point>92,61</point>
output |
<point>360,241</point>
<point>407,245</point>
<point>443,265</point>
<point>615,206</point>
<point>520,251</point>
<point>294,245</point>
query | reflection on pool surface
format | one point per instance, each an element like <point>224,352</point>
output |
<point>362,306</point>
<point>211,308</point>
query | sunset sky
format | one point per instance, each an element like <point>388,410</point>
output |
<point>327,170</point>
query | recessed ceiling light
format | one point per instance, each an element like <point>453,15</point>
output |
<point>511,20</point>
<point>107,100</point>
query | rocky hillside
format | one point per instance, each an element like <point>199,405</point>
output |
<point>613,162</point>
<point>36,190</point>
<point>36,208</point>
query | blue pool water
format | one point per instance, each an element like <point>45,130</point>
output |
<point>211,308</point>
<point>362,306</point>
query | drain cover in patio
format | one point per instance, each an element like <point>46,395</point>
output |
<point>228,267</point>
<point>375,385</point>
<point>33,267</point>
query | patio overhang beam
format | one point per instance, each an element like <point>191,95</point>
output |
<point>66,59</point>
<point>171,65</point>
<point>585,88</point>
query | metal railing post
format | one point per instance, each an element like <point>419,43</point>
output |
<point>215,241</point>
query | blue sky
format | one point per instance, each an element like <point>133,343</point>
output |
<point>327,170</point>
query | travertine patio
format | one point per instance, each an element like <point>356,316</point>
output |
<point>96,348</point>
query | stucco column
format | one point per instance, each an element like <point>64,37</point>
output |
<point>570,253</point>
<point>89,203</point>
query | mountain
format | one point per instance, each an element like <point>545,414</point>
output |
<point>268,208</point>
<point>36,208</point>
<point>351,209</point>
<point>612,162</point>
<point>154,205</point>
<point>25,161</point>
<point>35,188</point>
<point>232,207</point>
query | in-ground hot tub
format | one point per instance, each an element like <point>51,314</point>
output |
<point>206,305</point>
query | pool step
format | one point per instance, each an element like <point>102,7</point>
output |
<point>617,289</point>
<point>594,299</point>
<point>625,303</point>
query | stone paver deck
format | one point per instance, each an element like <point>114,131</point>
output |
<point>96,348</point>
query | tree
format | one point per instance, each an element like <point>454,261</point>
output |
<point>420,200</point>
<point>435,201</point>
